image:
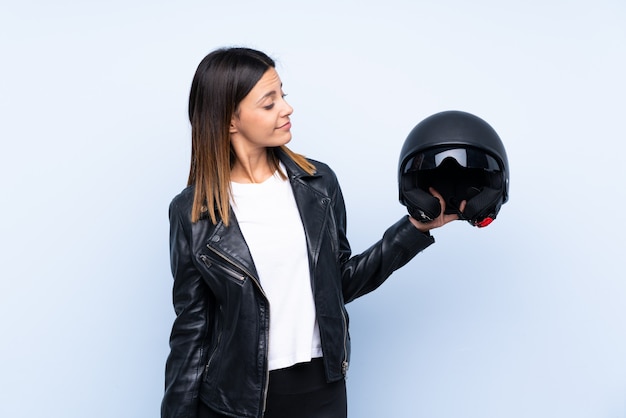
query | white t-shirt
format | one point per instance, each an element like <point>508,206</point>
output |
<point>271,225</point>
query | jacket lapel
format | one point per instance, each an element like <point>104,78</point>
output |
<point>228,242</point>
<point>313,205</point>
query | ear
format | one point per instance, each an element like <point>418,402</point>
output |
<point>233,126</point>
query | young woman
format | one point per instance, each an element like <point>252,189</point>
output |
<point>261,263</point>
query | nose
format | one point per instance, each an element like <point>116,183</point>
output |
<point>286,110</point>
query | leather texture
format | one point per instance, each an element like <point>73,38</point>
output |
<point>219,338</point>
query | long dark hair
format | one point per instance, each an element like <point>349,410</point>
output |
<point>222,80</point>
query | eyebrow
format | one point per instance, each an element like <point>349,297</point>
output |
<point>266,95</point>
<point>269,94</point>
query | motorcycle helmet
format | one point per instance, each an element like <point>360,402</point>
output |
<point>462,157</point>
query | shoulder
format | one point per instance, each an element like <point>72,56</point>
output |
<point>184,198</point>
<point>180,206</point>
<point>324,181</point>
<point>324,175</point>
<point>322,168</point>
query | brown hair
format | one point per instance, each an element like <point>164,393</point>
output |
<point>222,80</point>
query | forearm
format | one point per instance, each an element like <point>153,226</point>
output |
<point>365,272</point>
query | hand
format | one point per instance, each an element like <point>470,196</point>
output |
<point>442,219</point>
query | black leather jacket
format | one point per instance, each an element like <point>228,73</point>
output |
<point>219,338</point>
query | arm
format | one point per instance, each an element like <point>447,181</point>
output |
<point>191,297</point>
<point>401,242</point>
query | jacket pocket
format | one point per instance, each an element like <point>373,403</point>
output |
<point>211,364</point>
<point>219,270</point>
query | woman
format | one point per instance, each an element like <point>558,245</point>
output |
<point>261,263</point>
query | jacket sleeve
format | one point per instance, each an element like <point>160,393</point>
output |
<point>365,272</point>
<point>191,298</point>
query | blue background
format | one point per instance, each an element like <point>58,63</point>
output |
<point>525,318</point>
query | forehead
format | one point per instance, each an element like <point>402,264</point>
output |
<point>269,83</point>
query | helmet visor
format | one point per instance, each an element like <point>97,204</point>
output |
<point>464,157</point>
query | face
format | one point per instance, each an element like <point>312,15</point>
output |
<point>262,119</point>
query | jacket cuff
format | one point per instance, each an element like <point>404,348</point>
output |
<point>412,238</point>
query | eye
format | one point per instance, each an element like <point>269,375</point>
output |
<point>271,105</point>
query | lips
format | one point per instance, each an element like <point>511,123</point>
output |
<point>286,126</point>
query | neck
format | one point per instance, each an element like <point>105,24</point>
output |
<point>251,168</point>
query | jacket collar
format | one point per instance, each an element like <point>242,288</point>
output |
<point>312,205</point>
<point>293,169</point>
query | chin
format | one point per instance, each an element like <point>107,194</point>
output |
<point>284,141</point>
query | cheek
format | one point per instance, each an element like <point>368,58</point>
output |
<point>257,125</point>
<point>263,124</point>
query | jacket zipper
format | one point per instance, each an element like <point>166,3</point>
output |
<point>267,338</point>
<point>344,364</point>
<point>335,242</point>
<point>219,338</point>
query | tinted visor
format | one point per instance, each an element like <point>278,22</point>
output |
<point>465,157</point>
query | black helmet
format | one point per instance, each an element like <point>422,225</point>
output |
<point>462,157</point>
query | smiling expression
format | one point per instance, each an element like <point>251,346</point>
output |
<point>262,117</point>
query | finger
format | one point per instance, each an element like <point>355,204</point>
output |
<point>435,193</point>
<point>454,217</point>
<point>450,217</point>
<point>442,201</point>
